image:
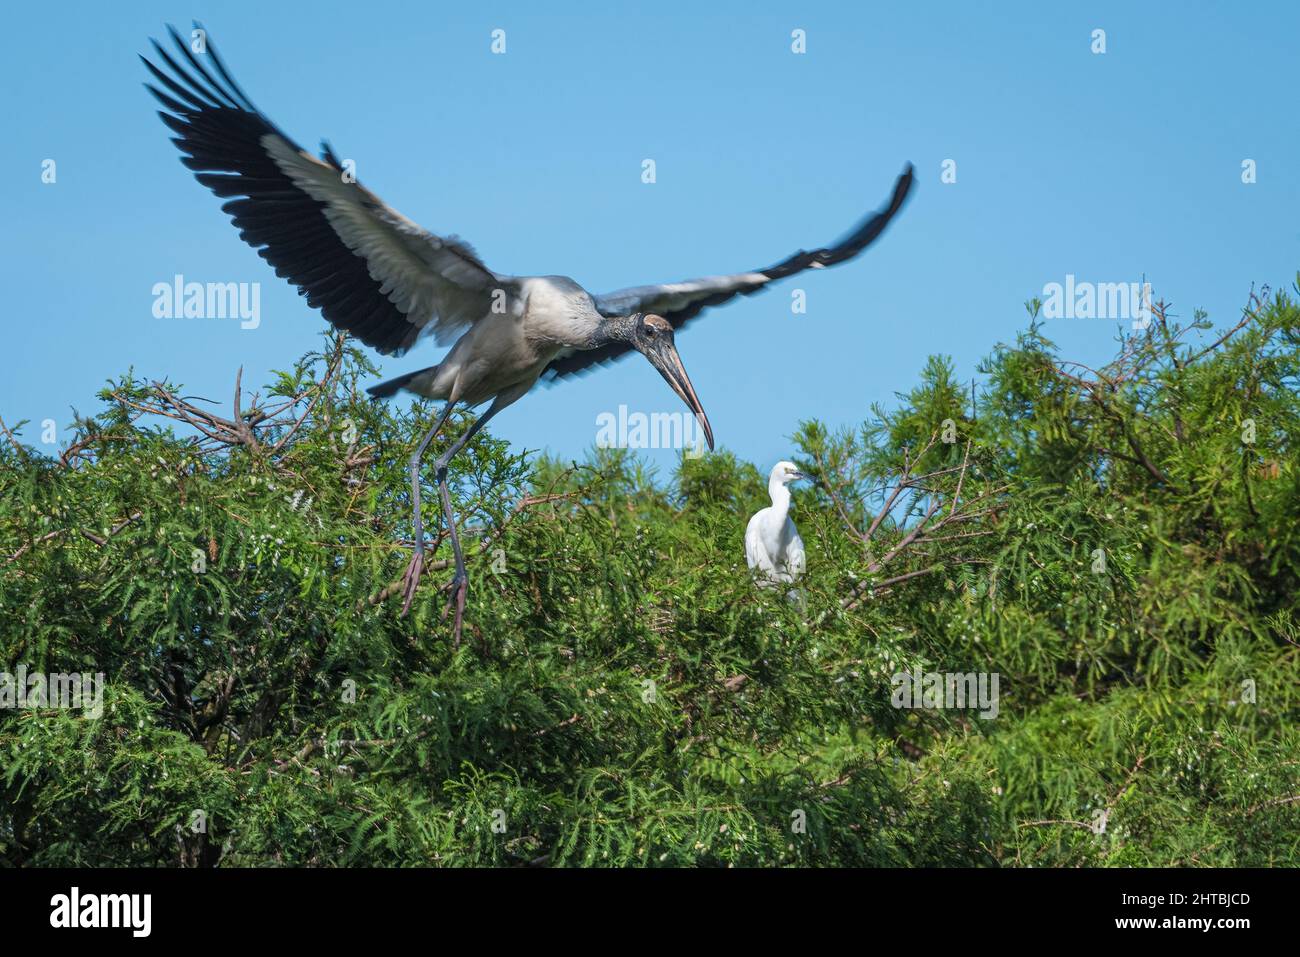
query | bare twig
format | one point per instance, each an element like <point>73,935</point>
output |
<point>18,447</point>
<point>1275,802</point>
<point>101,541</point>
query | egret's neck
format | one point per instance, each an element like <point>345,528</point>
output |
<point>780,493</point>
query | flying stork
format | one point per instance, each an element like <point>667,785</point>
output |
<point>376,274</point>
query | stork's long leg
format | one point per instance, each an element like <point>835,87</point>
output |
<point>460,582</point>
<point>412,577</point>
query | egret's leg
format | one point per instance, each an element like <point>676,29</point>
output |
<point>412,577</point>
<point>460,582</point>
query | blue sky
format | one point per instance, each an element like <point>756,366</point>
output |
<point>1110,167</point>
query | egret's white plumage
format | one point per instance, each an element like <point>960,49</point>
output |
<point>773,548</point>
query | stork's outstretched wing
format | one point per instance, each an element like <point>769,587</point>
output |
<point>368,268</point>
<point>678,302</point>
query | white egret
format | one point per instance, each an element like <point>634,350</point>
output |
<point>773,548</point>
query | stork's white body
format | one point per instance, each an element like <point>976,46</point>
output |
<point>504,353</point>
<point>773,548</point>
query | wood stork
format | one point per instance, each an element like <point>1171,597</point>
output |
<point>773,548</point>
<point>387,281</point>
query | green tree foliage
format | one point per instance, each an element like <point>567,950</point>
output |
<point>1118,546</point>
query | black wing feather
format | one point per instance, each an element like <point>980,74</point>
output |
<point>220,133</point>
<point>848,247</point>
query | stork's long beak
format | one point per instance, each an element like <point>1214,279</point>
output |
<point>663,356</point>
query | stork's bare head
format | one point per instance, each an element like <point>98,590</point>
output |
<point>653,337</point>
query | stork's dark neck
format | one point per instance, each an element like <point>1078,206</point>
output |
<point>613,329</point>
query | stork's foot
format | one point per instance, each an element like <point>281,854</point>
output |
<point>411,580</point>
<point>458,589</point>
